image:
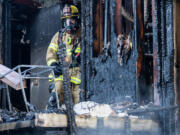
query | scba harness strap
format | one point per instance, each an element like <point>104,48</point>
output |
<point>74,52</point>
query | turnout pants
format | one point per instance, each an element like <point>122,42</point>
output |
<point>75,83</point>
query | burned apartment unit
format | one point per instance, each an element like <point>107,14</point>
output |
<point>130,68</point>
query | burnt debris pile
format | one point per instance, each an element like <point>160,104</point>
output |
<point>7,116</point>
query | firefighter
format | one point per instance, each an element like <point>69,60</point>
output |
<point>70,36</point>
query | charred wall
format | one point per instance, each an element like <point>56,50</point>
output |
<point>1,29</point>
<point>111,82</point>
<point>163,48</point>
<point>163,60</point>
<point>1,45</point>
<point>148,63</point>
<point>6,40</point>
<point>107,81</point>
<point>177,57</point>
<point>177,48</point>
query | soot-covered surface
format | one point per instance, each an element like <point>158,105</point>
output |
<point>108,81</point>
<point>112,82</point>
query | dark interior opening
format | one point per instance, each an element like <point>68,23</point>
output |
<point>146,76</point>
<point>21,19</point>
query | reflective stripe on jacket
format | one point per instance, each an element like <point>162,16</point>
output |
<point>74,80</point>
<point>51,56</point>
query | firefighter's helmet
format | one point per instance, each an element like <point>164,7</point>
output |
<point>70,11</point>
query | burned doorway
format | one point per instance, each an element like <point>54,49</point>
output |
<point>21,19</point>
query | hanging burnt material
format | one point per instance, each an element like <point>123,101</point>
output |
<point>124,23</point>
<point>83,54</point>
<point>89,40</point>
<point>68,99</point>
<point>124,46</point>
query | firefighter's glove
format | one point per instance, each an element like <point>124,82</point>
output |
<point>76,57</point>
<point>52,100</point>
<point>57,69</point>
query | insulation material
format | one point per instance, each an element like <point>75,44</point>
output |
<point>84,107</point>
<point>121,109</point>
<point>103,110</point>
<point>93,109</point>
<point>12,79</point>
